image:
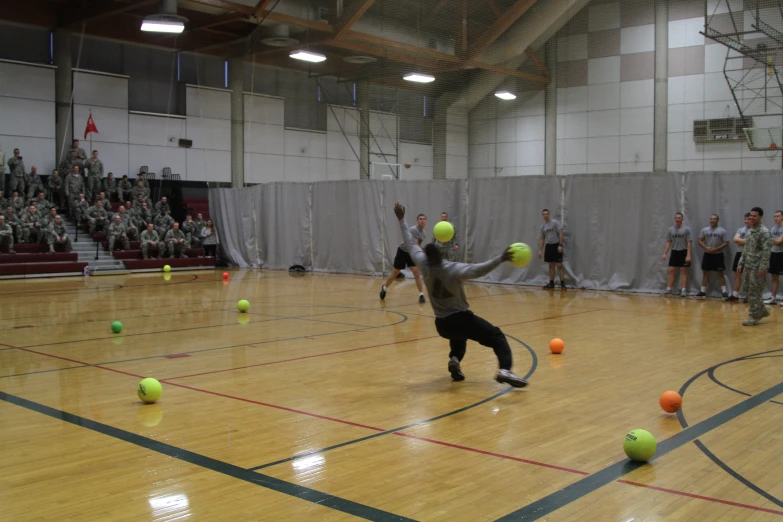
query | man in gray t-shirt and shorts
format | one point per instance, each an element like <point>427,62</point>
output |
<point>739,240</point>
<point>713,239</point>
<point>776,258</point>
<point>550,247</point>
<point>679,241</point>
<point>403,258</point>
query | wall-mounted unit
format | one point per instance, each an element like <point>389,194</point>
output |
<point>720,129</point>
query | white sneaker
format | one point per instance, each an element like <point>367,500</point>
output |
<point>770,301</point>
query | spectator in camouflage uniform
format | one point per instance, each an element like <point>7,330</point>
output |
<point>448,249</point>
<point>55,189</point>
<point>110,186</point>
<point>753,265</point>
<point>175,241</point>
<point>31,225</point>
<point>74,185</point>
<point>41,203</point>
<point>124,188</point>
<point>6,237</point>
<point>16,167</point>
<point>12,219</point>
<point>127,221</point>
<point>94,169</point>
<point>163,223</point>
<point>79,209</point>
<point>117,232</point>
<point>150,239</point>
<point>46,220</point>
<point>96,217</point>
<point>192,233</point>
<point>140,190</point>
<point>58,236</point>
<point>33,182</point>
<point>162,207</point>
<point>78,153</point>
<point>2,173</point>
<point>17,203</point>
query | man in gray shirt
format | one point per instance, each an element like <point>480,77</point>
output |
<point>403,258</point>
<point>679,241</point>
<point>453,319</point>
<point>713,239</point>
<point>739,240</point>
<point>550,245</point>
<point>776,258</point>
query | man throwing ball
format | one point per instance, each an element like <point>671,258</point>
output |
<point>453,319</point>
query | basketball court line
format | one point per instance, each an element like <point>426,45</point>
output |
<point>224,468</point>
<point>559,499</point>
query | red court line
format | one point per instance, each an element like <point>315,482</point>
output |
<point>702,497</point>
<point>499,455</point>
<point>447,444</point>
<point>358,349</point>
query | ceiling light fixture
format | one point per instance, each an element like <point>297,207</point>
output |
<point>166,20</point>
<point>505,95</point>
<point>307,56</point>
<point>419,78</point>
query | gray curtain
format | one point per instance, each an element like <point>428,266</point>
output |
<point>614,225</point>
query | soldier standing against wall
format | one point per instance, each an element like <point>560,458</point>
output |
<point>753,266</point>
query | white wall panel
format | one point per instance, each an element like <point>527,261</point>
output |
<point>30,118</point>
<point>114,157</point>
<point>264,109</point>
<point>306,144</point>
<point>207,103</point>
<point>264,168</point>
<point>209,133</point>
<point>341,147</point>
<point>418,155</point>
<point>342,169</point>
<point>342,120</point>
<point>26,81</point>
<point>99,90</point>
<point>146,129</point>
<point>263,138</point>
<point>209,165</point>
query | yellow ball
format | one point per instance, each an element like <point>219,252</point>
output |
<point>167,268</point>
<point>443,231</point>
<point>243,305</point>
<point>149,390</point>
<point>520,254</point>
<point>167,277</point>
<point>639,445</point>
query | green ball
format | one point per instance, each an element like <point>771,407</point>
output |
<point>443,231</point>
<point>116,327</point>
<point>167,268</point>
<point>149,390</point>
<point>520,254</point>
<point>639,445</point>
<point>243,306</point>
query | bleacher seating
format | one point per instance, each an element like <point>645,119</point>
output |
<point>197,206</point>
<point>34,258</point>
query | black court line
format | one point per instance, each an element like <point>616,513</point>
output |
<point>533,366</point>
<point>218,348</point>
<point>265,481</point>
<point>587,485</point>
<point>714,458</point>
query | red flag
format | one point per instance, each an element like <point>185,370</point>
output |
<point>90,127</point>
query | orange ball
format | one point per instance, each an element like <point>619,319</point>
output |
<point>670,401</point>
<point>557,345</point>
<point>225,275</point>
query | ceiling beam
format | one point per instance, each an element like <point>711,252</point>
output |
<point>315,25</point>
<point>226,18</point>
<point>500,26</point>
<point>416,52</point>
<point>509,72</point>
<point>543,69</point>
<point>92,15</point>
<point>351,16</point>
<point>494,7</point>
<point>260,7</point>
<point>390,54</point>
<point>228,6</point>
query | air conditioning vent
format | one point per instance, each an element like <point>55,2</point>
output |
<point>720,129</point>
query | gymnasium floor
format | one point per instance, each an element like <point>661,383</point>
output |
<point>323,403</point>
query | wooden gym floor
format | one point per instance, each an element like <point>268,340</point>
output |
<point>323,403</point>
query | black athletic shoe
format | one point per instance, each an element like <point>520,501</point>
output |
<point>506,376</point>
<point>549,286</point>
<point>563,286</point>
<point>455,370</point>
<point>726,296</point>
<point>701,295</point>
<point>383,292</point>
<point>733,298</point>
<point>421,299</point>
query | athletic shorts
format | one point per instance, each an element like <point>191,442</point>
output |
<point>737,257</point>
<point>402,260</point>
<point>776,263</point>
<point>677,259</point>
<point>713,263</point>
<point>551,254</point>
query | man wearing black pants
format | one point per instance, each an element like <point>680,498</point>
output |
<point>453,319</point>
<point>550,245</point>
